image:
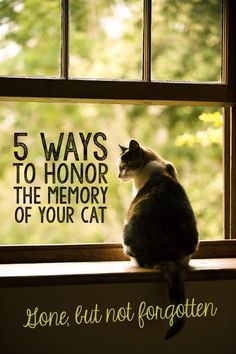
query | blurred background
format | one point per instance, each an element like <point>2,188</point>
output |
<point>106,42</point>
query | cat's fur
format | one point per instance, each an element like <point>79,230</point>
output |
<point>160,229</point>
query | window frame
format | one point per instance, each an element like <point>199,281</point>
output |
<point>145,91</point>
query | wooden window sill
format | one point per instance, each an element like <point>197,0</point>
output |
<point>107,272</point>
<point>98,252</point>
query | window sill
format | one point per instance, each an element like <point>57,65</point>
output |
<point>107,272</point>
<point>98,252</point>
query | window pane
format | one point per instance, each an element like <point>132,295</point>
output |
<point>106,39</point>
<point>186,40</point>
<point>29,38</point>
<point>190,137</point>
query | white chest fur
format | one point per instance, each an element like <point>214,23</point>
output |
<point>143,175</point>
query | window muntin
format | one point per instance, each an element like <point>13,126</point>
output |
<point>105,40</point>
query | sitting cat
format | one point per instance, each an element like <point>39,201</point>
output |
<point>160,230</point>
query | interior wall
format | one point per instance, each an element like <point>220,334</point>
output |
<point>203,335</point>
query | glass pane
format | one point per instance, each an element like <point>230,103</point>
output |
<point>106,39</point>
<point>29,38</point>
<point>190,137</point>
<point>186,40</point>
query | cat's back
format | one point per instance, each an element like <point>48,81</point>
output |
<point>161,222</point>
<point>163,196</point>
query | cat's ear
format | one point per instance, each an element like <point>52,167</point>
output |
<point>171,170</point>
<point>134,145</point>
<point>123,149</point>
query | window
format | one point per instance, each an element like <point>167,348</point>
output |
<point>26,32</point>
<point>140,92</point>
<point>63,183</point>
<point>99,33</point>
<point>193,29</point>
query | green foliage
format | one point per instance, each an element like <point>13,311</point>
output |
<point>30,37</point>
<point>186,40</point>
<point>211,135</point>
<point>100,33</point>
<point>205,145</point>
<point>105,42</point>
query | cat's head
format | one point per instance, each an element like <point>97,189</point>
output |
<point>135,157</point>
<point>130,161</point>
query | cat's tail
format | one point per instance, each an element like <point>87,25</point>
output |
<point>174,274</point>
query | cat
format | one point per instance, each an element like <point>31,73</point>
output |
<point>160,230</point>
